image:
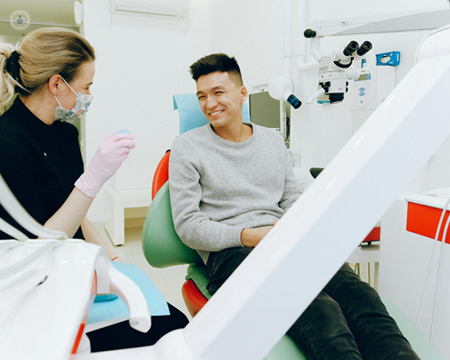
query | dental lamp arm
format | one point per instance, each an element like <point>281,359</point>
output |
<point>317,53</point>
<point>315,96</point>
<point>12,231</point>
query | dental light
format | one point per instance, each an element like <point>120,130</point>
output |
<point>282,88</point>
<point>334,81</point>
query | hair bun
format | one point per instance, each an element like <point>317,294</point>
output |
<point>12,65</point>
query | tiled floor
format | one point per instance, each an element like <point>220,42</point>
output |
<point>168,280</point>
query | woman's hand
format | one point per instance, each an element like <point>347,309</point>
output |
<point>106,161</point>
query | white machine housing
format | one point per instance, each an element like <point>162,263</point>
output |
<point>46,302</point>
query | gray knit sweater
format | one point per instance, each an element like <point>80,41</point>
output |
<point>218,187</point>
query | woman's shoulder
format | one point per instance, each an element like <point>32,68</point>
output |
<point>10,131</point>
<point>15,140</point>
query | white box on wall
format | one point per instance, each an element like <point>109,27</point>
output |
<point>369,91</point>
<point>372,87</point>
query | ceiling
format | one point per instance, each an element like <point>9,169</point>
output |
<point>41,12</point>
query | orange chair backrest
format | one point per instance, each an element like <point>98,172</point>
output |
<point>161,174</point>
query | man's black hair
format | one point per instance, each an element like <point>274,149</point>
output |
<point>217,62</point>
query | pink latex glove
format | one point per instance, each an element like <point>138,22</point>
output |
<point>106,161</point>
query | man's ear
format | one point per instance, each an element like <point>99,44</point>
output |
<point>244,94</point>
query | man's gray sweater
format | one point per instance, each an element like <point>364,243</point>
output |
<point>218,187</point>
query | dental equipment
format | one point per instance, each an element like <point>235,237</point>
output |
<point>333,82</point>
<point>45,304</point>
<point>282,88</point>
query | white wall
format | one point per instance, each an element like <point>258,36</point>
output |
<point>328,9</point>
<point>139,66</point>
<point>251,31</point>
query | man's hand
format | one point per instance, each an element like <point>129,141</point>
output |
<point>252,237</point>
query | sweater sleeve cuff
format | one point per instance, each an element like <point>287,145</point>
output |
<point>234,237</point>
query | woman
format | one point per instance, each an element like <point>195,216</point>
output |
<point>45,84</point>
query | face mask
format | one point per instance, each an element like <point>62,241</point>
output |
<point>82,103</point>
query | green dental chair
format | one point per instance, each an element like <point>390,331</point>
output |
<point>162,248</point>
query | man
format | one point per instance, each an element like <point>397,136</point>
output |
<point>230,182</point>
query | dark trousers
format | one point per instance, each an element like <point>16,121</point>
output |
<point>122,336</point>
<point>346,321</point>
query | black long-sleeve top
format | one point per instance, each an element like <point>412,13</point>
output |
<point>39,162</point>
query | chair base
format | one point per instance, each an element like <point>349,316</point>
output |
<point>193,298</point>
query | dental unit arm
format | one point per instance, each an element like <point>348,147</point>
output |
<point>333,82</point>
<point>47,287</point>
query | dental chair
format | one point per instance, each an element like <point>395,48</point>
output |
<point>163,248</point>
<point>161,245</point>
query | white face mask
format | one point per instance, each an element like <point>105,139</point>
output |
<point>82,103</point>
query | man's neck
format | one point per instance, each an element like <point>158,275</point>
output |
<point>235,133</point>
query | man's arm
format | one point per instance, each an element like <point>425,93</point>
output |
<point>194,227</point>
<point>292,190</point>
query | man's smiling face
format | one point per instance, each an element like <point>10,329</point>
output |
<point>220,98</point>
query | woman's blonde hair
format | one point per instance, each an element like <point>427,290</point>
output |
<point>41,54</point>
